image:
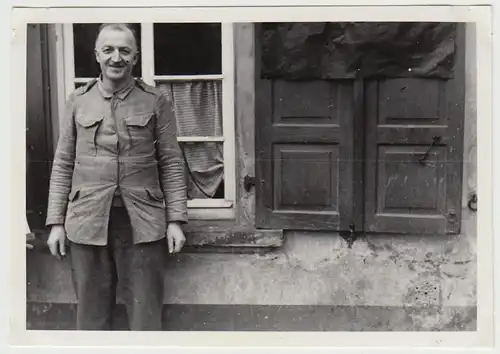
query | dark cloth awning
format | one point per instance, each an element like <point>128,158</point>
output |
<point>327,50</point>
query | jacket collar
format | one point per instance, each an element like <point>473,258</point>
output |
<point>122,93</point>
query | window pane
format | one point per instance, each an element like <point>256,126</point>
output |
<point>84,36</point>
<point>187,48</point>
<point>198,106</point>
<point>204,170</point>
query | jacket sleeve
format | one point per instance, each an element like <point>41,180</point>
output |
<point>171,168</point>
<point>62,168</point>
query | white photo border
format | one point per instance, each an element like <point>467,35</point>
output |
<point>483,337</point>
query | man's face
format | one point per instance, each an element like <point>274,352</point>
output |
<point>116,53</point>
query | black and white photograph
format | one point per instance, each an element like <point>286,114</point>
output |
<point>252,176</point>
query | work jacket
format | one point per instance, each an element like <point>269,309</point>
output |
<point>122,145</point>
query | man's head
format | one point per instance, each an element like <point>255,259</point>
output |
<point>116,51</point>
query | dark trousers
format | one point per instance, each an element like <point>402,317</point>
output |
<point>137,270</point>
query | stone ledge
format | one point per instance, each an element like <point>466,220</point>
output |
<point>198,317</point>
<point>234,240</point>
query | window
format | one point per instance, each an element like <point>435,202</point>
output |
<point>192,64</point>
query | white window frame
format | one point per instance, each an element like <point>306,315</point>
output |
<point>198,208</point>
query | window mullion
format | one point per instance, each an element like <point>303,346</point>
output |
<point>69,59</point>
<point>228,126</point>
<point>61,76</point>
<point>170,78</point>
<point>201,139</point>
<point>147,53</point>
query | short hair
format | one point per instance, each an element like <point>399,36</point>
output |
<point>120,27</point>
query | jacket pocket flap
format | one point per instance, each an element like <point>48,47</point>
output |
<point>73,195</point>
<point>155,193</point>
<point>139,120</point>
<point>86,121</point>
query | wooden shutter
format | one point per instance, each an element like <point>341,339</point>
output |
<point>38,125</point>
<point>304,153</point>
<point>403,117</point>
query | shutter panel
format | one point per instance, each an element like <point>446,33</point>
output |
<point>304,140</point>
<point>414,143</point>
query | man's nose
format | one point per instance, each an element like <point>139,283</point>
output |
<point>115,56</point>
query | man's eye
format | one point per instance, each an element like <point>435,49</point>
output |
<point>106,50</point>
<point>125,51</point>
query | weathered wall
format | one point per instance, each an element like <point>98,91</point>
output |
<point>432,279</point>
<point>470,127</point>
<point>388,282</point>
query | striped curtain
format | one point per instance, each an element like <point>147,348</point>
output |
<point>198,110</point>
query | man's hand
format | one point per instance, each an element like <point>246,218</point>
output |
<point>30,237</point>
<point>175,237</point>
<point>56,241</point>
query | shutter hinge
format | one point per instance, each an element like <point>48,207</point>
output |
<point>249,182</point>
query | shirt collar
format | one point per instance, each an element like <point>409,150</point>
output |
<point>122,93</point>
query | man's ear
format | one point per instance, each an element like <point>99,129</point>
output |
<point>135,59</point>
<point>96,53</point>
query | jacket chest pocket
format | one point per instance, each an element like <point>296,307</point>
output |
<point>87,131</point>
<point>140,127</point>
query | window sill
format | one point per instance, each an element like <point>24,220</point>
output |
<point>209,203</point>
<point>211,213</point>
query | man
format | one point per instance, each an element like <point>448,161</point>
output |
<point>117,188</point>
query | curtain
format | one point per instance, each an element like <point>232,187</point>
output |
<point>198,111</point>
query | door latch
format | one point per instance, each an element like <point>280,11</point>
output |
<point>472,203</point>
<point>452,216</point>
<point>435,140</point>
